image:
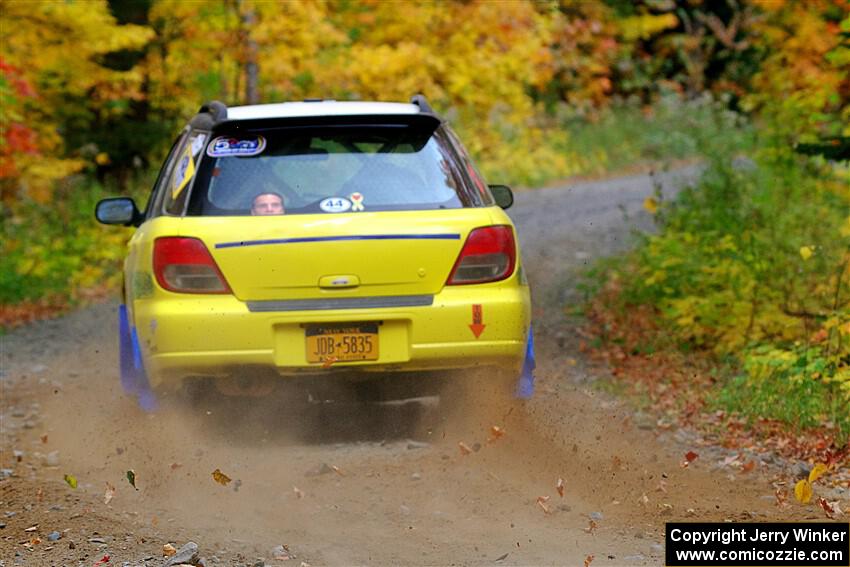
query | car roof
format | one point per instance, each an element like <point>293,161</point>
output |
<point>319,108</point>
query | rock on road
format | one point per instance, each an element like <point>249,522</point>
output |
<point>357,491</point>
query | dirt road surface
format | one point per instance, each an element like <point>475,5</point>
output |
<point>352,488</point>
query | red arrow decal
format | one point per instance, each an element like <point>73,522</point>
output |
<point>477,326</point>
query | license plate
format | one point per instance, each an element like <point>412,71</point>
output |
<point>342,343</point>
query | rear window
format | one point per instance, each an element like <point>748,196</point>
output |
<point>330,169</point>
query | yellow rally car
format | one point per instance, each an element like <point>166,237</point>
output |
<point>319,237</point>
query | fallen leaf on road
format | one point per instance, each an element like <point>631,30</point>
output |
<point>103,561</point>
<point>836,508</point>
<point>35,541</point>
<point>220,477</point>
<point>168,550</point>
<point>731,460</point>
<point>298,492</point>
<point>591,526</point>
<point>464,449</point>
<point>175,466</point>
<point>282,553</point>
<point>559,486</point>
<point>496,432</point>
<point>748,466</point>
<point>501,558</point>
<point>690,457</point>
<point>781,497</point>
<point>71,480</point>
<point>337,470</point>
<point>588,560</point>
<point>817,472</point>
<point>831,509</point>
<point>44,438</point>
<point>541,501</point>
<point>109,493</point>
<point>803,491</point>
<point>131,477</point>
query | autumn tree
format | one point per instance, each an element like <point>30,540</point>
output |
<point>52,54</point>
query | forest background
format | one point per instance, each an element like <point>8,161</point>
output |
<point>744,286</point>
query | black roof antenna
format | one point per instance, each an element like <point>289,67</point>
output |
<point>420,101</point>
<point>209,114</point>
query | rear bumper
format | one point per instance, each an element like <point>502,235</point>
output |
<point>183,335</point>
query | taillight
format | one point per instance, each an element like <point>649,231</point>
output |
<point>184,265</point>
<point>489,255</point>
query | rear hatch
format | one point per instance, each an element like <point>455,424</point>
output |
<point>343,255</point>
<point>363,206</point>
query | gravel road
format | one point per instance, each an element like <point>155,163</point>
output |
<point>356,490</point>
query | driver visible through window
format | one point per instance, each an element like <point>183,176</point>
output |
<point>330,169</point>
<point>267,204</point>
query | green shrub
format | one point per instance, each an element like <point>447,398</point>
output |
<point>751,264</point>
<point>58,249</point>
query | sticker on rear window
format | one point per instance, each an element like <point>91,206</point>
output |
<point>183,173</point>
<point>357,199</point>
<point>224,146</point>
<point>198,143</point>
<point>335,205</point>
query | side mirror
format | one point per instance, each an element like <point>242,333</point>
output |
<point>117,210</point>
<point>503,195</point>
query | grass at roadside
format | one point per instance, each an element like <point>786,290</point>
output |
<point>668,131</point>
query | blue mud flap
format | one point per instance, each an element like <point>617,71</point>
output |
<point>133,377</point>
<point>525,387</point>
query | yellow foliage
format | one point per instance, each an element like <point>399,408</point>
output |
<point>646,25</point>
<point>817,471</point>
<point>49,28</point>
<point>803,491</point>
<point>795,84</point>
<point>55,48</point>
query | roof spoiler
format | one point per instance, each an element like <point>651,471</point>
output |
<point>215,112</point>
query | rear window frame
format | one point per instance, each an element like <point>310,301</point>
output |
<point>467,192</point>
